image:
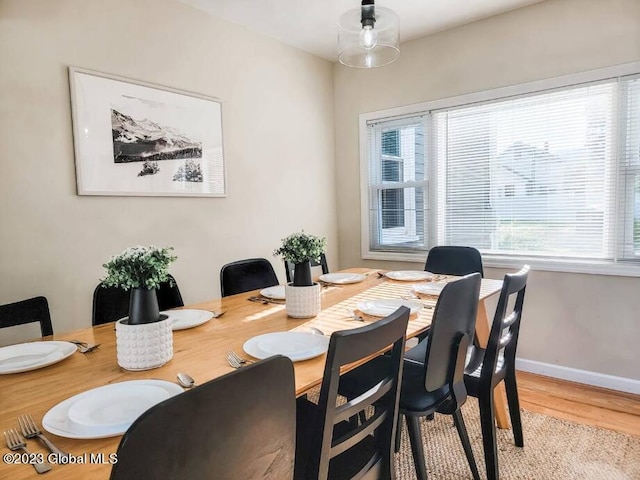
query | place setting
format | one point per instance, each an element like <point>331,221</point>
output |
<point>339,279</point>
<point>24,357</point>
<point>185,318</point>
<point>297,346</point>
<point>375,309</point>
<point>410,275</point>
<point>107,411</point>
<point>276,292</point>
<point>432,289</point>
<point>274,295</point>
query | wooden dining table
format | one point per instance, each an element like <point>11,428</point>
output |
<point>200,352</point>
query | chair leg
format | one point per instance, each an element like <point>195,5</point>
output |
<point>415,437</point>
<point>466,444</point>
<point>398,433</point>
<point>514,408</point>
<point>488,426</point>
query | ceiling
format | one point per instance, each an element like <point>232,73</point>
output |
<point>310,25</point>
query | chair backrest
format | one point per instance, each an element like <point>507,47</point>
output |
<point>169,295</point>
<point>452,330</point>
<point>239,426</point>
<point>290,267</point>
<point>505,328</point>
<point>454,260</point>
<point>111,304</point>
<point>346,347</point>
<point>246,275</point>
<point>27,311</point>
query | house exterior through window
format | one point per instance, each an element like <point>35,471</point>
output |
<point>552,174</point>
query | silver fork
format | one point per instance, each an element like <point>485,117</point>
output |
<point>234,359</point>
<point>91,348</point>
<point>16,442</point>
<point>419,299</point>
<point>265,300</point>
<point>85,347</point>
<point>31,430</point>
<point>233,362</point>
<point>354,316</point>
<point>238,358</point>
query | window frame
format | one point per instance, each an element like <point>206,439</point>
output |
<point>492,261</point>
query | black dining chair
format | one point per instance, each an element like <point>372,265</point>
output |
<point>436,384</point>
<point>239,426</point>
<point>169,295</point>
<point>246,275</point>
<point>32,310</point>
<point>497,363</point>
<point>111,304</point>
<point>328,444</point>
<point>454,260</point>
<point>447,260</point>
<point>290,267</point>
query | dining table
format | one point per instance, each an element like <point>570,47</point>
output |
<point>201,352</point>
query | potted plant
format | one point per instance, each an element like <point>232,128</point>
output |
<point>144,339</point>
<point>141,270</point>
<point>303,295</point>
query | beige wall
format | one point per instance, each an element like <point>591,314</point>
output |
<point>588,322</point>
<point>278,140</point>
<point>278,121</point>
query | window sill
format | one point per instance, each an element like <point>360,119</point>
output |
<point>494,261</point>
<point>594,267</point>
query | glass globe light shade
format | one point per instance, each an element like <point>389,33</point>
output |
<point>369,46</point>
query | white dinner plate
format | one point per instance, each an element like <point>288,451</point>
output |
<point>33,355</point>
<point>127,401</point>
<point>410,275</point>
<point>115,406</point>
<point>275,293</point>
<point>342,278</point>
<point>187,318</point>
<point>385,307</point>
<point>295,345</point>
<point>429,288</point>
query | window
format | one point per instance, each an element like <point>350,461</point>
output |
<point>549,173</point>
<point>397,185</point>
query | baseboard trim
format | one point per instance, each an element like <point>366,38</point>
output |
<point>595,379</point>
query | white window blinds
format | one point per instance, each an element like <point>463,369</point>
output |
<point>629,165</point>
<point>530,176</point>
<point>553,174</point>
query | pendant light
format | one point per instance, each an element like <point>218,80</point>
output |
<point>368,36</point>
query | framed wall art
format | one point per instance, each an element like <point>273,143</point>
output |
<point>134,138</point>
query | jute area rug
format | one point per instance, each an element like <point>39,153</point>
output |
<point>553,449</point>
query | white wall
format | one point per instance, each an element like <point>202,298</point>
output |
<point>587,322</point>
<point>277,107</point>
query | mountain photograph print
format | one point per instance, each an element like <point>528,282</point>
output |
<point>144,140</point>
<point>134,138</point>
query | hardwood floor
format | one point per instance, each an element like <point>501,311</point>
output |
<point>580,403</point>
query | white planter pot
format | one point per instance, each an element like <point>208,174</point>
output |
<point>302,302</point>
<point>143,347</point>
